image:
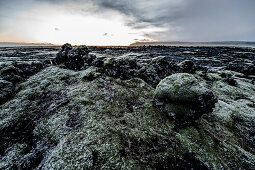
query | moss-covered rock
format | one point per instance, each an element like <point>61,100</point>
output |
<point>6,90</point>
<point>181,87</point>
<point>183,96</point>
<point>62,119</point>
<point>14,157</point>
<point>71,58</point>
<point>96,123</point>
<point>11,73</point>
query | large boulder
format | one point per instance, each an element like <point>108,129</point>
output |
<point>62,55</point>
<point>184,97</point>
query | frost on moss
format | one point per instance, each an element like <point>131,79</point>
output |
<point>216,152</point>
<point>225,138</point>
<point>86,120</point>
<point>13,158</point>
<point>100,122</point>
<point>119,124</point>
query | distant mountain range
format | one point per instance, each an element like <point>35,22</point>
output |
<point>177,43</point>
<point>14,44</point>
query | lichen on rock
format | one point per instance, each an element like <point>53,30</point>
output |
<point>184,97</point>
<point>7,90</point>
<point>100,123</point>
<point>107,114</point>
<point>71,58</point>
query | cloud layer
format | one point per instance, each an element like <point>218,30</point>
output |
<point>163,20</point>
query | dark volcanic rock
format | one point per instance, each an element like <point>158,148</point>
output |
<point>65,119</point>
<point>123,68</point>
<point>93,60</point>
<point>62,55</point>
<point>12,74</point>
<point>102,116</point>
<point>157,69</point>
<point>128,67</point>
<point>72,58</point>
<point>242,68</point>
<point>153,64</point>
<point>18,72</point>
<point>188,66</point>
<point>7,90</point>
<point>185,98</point>
<point>29,69</point>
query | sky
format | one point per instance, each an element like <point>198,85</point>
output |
<point>121,22</point>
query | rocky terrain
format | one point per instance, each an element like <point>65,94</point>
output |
<point>127,108</point>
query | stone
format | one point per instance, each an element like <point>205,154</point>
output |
<point>122,67</point>
<point>60,119</point>
<point>159,68</point>
<point>12,74</point>
<point>71,58</point>
<point>184,97</point>
<point>29,69</point>
<point>7,90</point>
<point>62,55</point>
<point>93,60</point>
<point>187,66</point>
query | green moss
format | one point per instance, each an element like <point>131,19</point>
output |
<point>176,88</point>
<point>202,145</point>
<point>156,59</point>
<point>215,151</point>
<point>227,92</point>
<point>14,157</point>
<point>106,123</point>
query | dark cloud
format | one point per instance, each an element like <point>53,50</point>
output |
<point>184,20</point>
<point>205,20</point>
<point>144,13</point>
<point>190,20</point>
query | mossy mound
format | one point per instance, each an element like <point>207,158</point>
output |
<point>71,121</point>
<point>62,119</point>
<point>184,97</point>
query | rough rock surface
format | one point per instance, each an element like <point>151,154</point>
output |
<point>124,67</point>
<point>96,111</point>
<point>12,74</point>
<point>184,97</point>
<point>18,72</point>
<point>72,58</point>
<point>62,119</point>
<point>6,90</point>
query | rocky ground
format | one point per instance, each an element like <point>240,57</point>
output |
<point>127,108</point>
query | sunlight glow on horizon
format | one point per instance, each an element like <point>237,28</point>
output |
<point>120,22</point>
<point>49,24</point>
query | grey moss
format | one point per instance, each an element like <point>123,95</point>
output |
<point>87,120</point>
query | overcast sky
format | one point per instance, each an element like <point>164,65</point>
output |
<point>121,22</point>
